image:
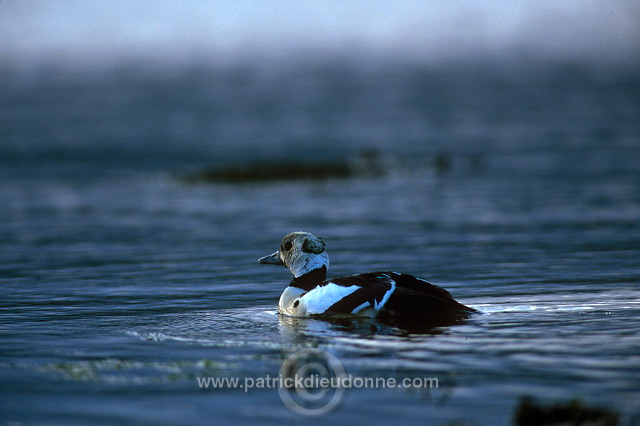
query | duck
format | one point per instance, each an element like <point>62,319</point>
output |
<point>383,295</point>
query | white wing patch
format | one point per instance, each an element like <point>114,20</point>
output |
<point>361,307</point>
<point>386,296</point>
<point>318,300</point>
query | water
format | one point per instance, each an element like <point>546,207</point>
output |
<point>123,283</point>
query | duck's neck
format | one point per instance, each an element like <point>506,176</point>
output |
<point>311,279</point>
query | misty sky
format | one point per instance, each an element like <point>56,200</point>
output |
<point>33,31</point>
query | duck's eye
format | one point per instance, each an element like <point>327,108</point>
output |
<point>296,303</point>
<point>287,246</point>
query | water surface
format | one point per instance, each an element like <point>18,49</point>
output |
<point>122,282</point>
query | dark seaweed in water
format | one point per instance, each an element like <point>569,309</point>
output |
<point>367,163</point>
<point>575,412</point>
<point>258,172</point>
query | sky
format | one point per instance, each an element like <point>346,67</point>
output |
<point>223,31</point>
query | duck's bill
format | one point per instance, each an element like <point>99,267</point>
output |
<point>272,259</point>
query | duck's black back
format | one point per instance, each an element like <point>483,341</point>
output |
<point>417,299</point>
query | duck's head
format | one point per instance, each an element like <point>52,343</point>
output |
<point>300,252</point>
